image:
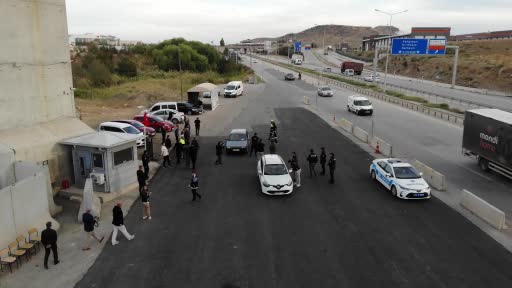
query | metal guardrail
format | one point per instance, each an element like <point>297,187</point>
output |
<point>434,112</point>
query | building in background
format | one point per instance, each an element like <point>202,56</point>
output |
<point>491,35</point>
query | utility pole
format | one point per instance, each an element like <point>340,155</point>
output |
<point>375,60</point>
<point>323,41</point>
<point>455,64</point>
<point>388,46</point>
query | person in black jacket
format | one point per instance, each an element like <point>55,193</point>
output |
<point>145,164</point>
<point>294,163</point>
<point>168,142</point>
<point>118,224</point>
<point>260,149</point>
<point>89,222</point>
<point>49,241</point>
<point>144,198</point>
<point>194,148</point>
<point>197,123</point>
<point>141,178</point>
<point>272,147</point>
<point>177,133</point>
<point>312,160</point>
<point>332,167</point>
<point>194,186</point>
<point>323,160</point>
<point>254,144</point>
<point>218,151</point>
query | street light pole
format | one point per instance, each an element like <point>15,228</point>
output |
<point>389,43</point>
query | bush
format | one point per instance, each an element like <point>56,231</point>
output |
<point>99,74</point>
<point>127,68</point>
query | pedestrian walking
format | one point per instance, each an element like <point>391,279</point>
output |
<point>168,142</point>
<point>218,151</point>
<point>89,223</point>
<point>323,160</point>
<point>197,123</point>
<point>260,149</point>
<point>118,224</point>
<point>272,136</point>
<point>194,186</point>
<point>300,76</point>
<point>164,133</point>
<point>141,178</point>
<point>312,160</point>
<point>165,153</point>
<point>272,147</point>
<point>144,198</point>
<point>177,133</point>
<point>186,154</point>
<point>194,148</point>
<point>273,126</point>
<point>179,149</point>
<point>186,134</point>
<point>254,144</point>
<point>149,147</point>
<point>145,164</point>
<point>187,123</point>
<point>294,163</point>
<point>49,241</point>
<point>332,167</point>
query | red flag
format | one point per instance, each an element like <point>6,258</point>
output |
<point>146,120</point>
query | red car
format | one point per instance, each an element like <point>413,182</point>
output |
<point>149,131</point>
<point>156,123</point>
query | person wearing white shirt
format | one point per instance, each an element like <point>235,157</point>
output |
<point>164,152</point>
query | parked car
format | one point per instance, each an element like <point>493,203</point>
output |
<point>349,72</point>
<point>274,176</point>
<point>163,105</point>
<point>125,128</point>
<point>400,178</point>
<point>156,122</point>
<point>289,76</point>
<point>327,69</point>
<point>176,117</point>
<point>325,91</point>
<point>188,108</point>
<point>150,132</point>
<point>359,105</point>
<point>238,141</point>
<point>372,78</point>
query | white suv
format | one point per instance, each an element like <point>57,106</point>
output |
<point>359,105</point>
<point>123,128</point>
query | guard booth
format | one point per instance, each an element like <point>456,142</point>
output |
<point>108,158</point>
<point>206,93</point>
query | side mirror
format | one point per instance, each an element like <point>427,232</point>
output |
<point>388,175</point>
<point>421,173</point>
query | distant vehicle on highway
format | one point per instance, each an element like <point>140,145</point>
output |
<point>150,132</point>
<point>123,128</point>
<point>234,89</point>
<point>176,117</point>
<point>254,61</point>
<point>401,178</point>
<point>348,72</point>
<point>372,78</point>
<point>325,91</point>
<point>327,69</point>
<point>156,122</point>
<point>297,61</point>
<point>289,76</point>
<point>238,141</point>
<point>487,137</point>
<point>359,105</point>
<point>357,67</point>
<point>274,176</point>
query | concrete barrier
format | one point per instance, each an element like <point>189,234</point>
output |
<point>433,178</point>
<point>346,125</point>
<point>385,148</point>
<point>306,100</point>
<point>483,210</point>
<point>360,134</point>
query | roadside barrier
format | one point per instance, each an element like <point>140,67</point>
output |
<point>383,147</point>
<point>346,125</point>
<point>360,134</point>
<point>483,210</point>
<point>433,178</point>
<point>306,100</point>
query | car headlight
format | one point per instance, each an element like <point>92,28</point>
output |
<point>265,183</point>
<point>290,183</point>
<point>403,188</point>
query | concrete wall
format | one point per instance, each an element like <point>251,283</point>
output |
<point>6,166</point>
<point>482,209</point>
<point>122,175</point>
<point>35,69</point>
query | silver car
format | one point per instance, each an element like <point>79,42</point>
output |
<point>325,91</point>
<point>176,117</point>
<point>238,141</point>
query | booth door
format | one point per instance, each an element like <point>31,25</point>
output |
<point>84,167</point>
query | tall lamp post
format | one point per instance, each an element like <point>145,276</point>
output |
<point>389,43</point>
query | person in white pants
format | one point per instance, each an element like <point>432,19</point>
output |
<point>118,224</point>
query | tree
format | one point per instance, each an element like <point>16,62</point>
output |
<point>127,67</point>
<point>222,42</point>
<point>99,74</point>
<point>226,52</point>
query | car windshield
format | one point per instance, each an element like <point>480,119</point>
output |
<point>230,87</point>
<point>275,169</point>
<point>158,119</point>
<point>237,137</point>
<point>406,173</point>
<point>289,75</point>
<point>131,130</point>
<point>362,102</point>
<point>326,89</point>
<point>137,124</point>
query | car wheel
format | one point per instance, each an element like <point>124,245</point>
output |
<point>158,129</point>
<point>393,191</point>
<point>374,177</point>
<point>189,112</point>
<point>174,121</point>
<point>483,163</point>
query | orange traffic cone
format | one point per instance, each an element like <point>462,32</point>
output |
<point>377,149</point>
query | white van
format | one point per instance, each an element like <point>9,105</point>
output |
<point>359,105</point>
<point>348,72</point>
<point>164,105</point>
<point>298,62</point>
<point>123,128</point>
<point>234,89</point>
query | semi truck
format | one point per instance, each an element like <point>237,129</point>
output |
<point>487,136</point>
<point>357,67</point>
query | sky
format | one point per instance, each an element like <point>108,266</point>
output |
<point>152,21</point>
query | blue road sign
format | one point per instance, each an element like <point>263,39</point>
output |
<point>408,46</point>
<point>298,46</point>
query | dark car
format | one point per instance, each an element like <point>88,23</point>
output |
<point>149,131</point>
<point>289,76</point>
<point>237,141</point>
<point>156,123</point>
<point>188,108</point>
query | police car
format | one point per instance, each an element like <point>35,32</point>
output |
<point>401,178</point>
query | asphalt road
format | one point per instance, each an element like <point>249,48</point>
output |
<point>350,234</point>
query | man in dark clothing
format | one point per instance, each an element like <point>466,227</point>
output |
<point>323,160</point>
<point>273,136</point>
<point>218,151</point>
<point>186,134</point>
<point>168,142</point>
<point>260,149</point>
<point>194,148</point>
<point>177,133</point>
<point>186,154</point>
<point>89,222</point>
<point>118,224</point>
<point>164,132</point>
<point>294,163</point>
<point>179,149</point>
<point>194,186</point>
<point>312,160</point>
<point>300,76</point>
<point>332,167</point>
<point>254,144</point>
<point>49,241</point>
<point>197,122</point>
<point>149,147</point>
<point>141,178</point>
<point>272,147</point>
<point>145,164</point>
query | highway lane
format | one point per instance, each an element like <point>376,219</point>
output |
<point>413,135</point>
<point>351,234</point>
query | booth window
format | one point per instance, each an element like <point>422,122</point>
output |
<point>97,160</point>
<point>122,156</point>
